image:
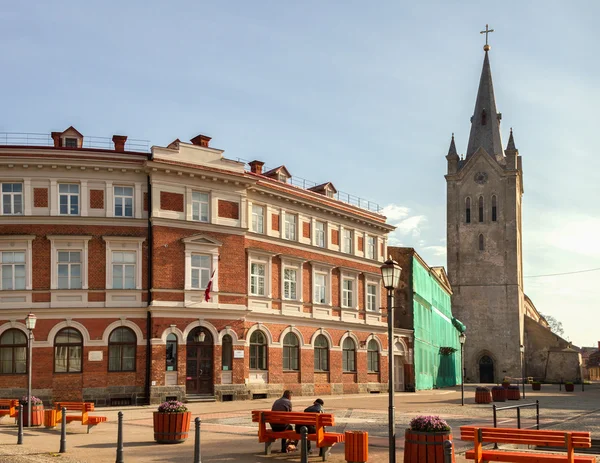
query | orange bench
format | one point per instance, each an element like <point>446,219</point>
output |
<point>324,440</point>
<point>54,416</point>
<point>540,438</point>
<point>9,407</point>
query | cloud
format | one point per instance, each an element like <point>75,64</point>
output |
<point>394,212</point>
<point>436,250</point>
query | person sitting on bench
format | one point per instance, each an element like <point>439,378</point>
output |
<point>316,407</point>
<point>283,404</point>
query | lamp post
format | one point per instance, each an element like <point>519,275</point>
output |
<point>30,320</point>
<point>462,338</point>
<point>522,349</point>
<point>390,272</point>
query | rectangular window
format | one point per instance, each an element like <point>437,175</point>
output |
<point>200,206</point>
<point>68,198</point>
<point>371,247</point>
<point>347,292</point>
<point>348,241</point>
<point>290,227</point>
<point>12,198</point>
<point>123,201</point>
<point>200,271</point>
<point>13,270</point>
<point>71,142</point>
<point>320,234</point>
<point>289,283</point>
<point>320,287</point>
<point>258,219</point>
<point>69,269</point>
<point>372,297</point>
<point>123,267</point>
<point>257,279</point>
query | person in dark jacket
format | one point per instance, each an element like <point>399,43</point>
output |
<point>316,407</point>
<point>283,404</point>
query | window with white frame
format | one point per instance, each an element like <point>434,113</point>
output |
<point>69,270</point>
<point>123,196</point>
<point>258,219</point>
<point>371,247</point>
<point>289,283</point>
<point>68,198</point>
<point>347,240</point>
<point>13,270</point>
<point>291,221</point>
<point>123,269</point>
<point>12,198</point>
<point>200,206</point>
<point>347,292</point>
<point>257,279</point>
<point>320,234</point>
<point>320,288</point>
<point>200,271</point>
<point>371,297</point>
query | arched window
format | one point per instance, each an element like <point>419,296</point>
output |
<point>348,355</point>
<point>68,350</point>
<point>373,356</point>
<point>258,351</point>
<point>481,208</point>
<point>171,354</point>
<point>494,209</point>
<point>13,352</point>
<point>227,353</point>
<point>121,350</point>
<point>291,352</point>
<point>481,243</point>
<point>321,353</point>
<point>468,210</point>
<point>483,117</point>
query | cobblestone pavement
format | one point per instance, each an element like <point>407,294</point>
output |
<point>228,434</point>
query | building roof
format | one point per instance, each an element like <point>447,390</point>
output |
<point>485,122</point>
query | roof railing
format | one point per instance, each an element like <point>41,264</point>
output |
<point>45,139</point>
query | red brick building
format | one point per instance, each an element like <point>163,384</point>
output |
<point>113,249</point>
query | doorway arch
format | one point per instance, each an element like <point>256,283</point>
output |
<point>486,369</point>
<point>199,362</point>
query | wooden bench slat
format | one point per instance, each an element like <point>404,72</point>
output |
<point>526,457</point>
<point>471,429</point>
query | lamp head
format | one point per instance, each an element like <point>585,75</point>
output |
<point>390,272</point>
<point>462,337</point>
<point>30,320</point>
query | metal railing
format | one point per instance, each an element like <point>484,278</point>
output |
<point>519,407</point>
<point>45,139</point>
<point>340,195</point>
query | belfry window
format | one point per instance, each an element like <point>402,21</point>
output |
<point>494,209</point>
<point>483,117</point>
<point>481,243</point>
<point>481,208</point>
<point>468,210</point>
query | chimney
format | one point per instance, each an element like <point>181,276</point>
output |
<point>256,167</point>
<point>201,140</point>
<point>119,141</point>
<point>56,137</point>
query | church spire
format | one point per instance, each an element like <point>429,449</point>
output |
<point>511,142</point>
<point>485,122</point>
<point>452,150</point>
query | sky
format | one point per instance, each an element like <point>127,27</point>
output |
<point>363,94</point>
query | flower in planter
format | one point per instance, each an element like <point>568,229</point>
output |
<point>429,424</point>
<point>482,389</point>
<point>568,382</point>
<point>513,387</point>
<point>34,400</point>
<point>497,388</point>
<point>172,406</point>
<point>536,382</point>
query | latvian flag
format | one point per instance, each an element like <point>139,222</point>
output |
<point>208,288</point>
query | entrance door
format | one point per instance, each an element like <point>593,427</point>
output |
<point>199,362</point>
<point>398,374</point>
<point>486,370</point>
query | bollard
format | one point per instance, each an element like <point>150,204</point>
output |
<point>537,414</point>
<point>197,441</point>
<point>519,418</point>
<point>303,444</point>
<point>20,426</point>
<point>120,438</point>
<point>63,430</point>
<point>447,451</point>
<point>582,385</point>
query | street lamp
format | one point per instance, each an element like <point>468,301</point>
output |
<point>30,320</point>
<point>522,349</point>
<point>390,272</point>
<point>462,338</point>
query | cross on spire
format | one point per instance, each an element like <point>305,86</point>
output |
<point>486,32</point>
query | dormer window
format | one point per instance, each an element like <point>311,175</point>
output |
<point>282,177</point>
<point>71,142</point>
<point>329,193</point>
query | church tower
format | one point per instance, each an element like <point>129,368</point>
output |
<point>484,242</point>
